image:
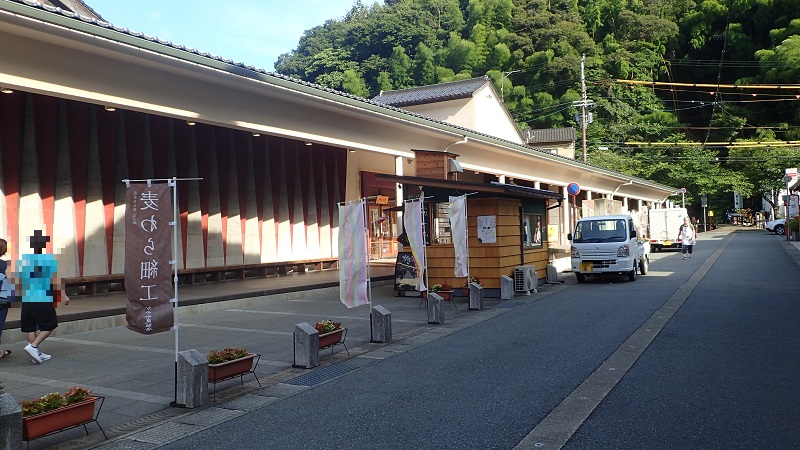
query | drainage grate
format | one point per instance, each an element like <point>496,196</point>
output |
<point>509,304</point>
<point>321,375</point>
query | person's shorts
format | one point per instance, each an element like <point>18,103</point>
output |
<point>38,316</point>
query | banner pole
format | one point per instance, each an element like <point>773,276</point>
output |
<point>466,219</point>
<point>369,266</point>
<point>425,243</point>
<point>174,182</point>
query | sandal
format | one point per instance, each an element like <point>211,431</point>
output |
<point>5,353</point>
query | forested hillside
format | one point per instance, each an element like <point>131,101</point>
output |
<point>701,61</point>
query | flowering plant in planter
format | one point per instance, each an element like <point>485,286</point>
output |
<point>441,287</point>
<point>228,354</point>
<point>54,401</point>
<point>475,280</point>
<point>327,326</point>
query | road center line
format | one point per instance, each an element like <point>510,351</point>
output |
<point>555,430</point>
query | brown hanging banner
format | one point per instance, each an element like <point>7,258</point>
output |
<point>148,273</point>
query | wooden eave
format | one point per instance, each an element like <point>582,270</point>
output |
<point>480,189</point>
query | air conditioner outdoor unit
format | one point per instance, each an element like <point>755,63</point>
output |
<point>524,279</point>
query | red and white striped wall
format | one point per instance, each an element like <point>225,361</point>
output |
<point>261,199</point>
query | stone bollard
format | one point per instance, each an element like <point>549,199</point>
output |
<point>506,287</point>
<point>306,346</point>
<point>10,422</point>
<point>475,296</point>
<point>435,313</point>
<point>192,388</point>
<point>381,322</point>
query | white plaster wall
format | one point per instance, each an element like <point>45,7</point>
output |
<point>491,116</point>
<point>365,161</point>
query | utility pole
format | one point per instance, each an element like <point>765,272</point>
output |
<point>583,103</point>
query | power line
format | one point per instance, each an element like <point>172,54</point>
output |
<point>729,144</point>
<point>707,85</point>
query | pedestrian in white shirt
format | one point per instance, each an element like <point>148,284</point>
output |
<point>687,235</point>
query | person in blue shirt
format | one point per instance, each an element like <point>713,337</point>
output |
<point>39,289</point>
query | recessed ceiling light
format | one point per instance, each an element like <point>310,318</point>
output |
<point>6,90</point>
<point>110,108</point>
<point>190,123</point>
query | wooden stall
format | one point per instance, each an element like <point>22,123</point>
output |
<point>506,228</point>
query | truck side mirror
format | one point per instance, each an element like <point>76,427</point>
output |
<point>569,236</point>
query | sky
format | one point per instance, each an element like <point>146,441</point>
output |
<point>253,32</point>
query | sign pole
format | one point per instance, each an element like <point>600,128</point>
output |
<point>787,179</point>
<point>172,183</point>
<point>573,189</point>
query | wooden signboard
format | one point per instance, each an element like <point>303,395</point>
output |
<point>405,274</point>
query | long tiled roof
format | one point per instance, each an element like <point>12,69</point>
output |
<point>135,34</point>
<point>430,94</point>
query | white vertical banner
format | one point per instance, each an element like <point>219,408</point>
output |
<point>353,259</point>
<point>412,220</point>
<point>458,231</point>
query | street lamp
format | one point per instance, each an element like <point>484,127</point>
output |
<point>502,84</point>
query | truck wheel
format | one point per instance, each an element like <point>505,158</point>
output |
<point>632,274</point>
<point>644,264</point>
<point>580,277</point>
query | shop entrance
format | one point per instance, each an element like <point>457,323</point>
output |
<point>382,241</point>
<point>381,217</point>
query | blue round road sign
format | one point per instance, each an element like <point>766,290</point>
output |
<point>573,189</point>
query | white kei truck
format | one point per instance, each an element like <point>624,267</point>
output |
<point>665,224</point>
<point>608,245</point>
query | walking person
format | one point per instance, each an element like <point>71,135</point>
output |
<point>687,235</point>
<point>6,295</point>
<point>40,286</point>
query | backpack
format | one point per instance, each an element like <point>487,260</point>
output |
<point>6,288</point>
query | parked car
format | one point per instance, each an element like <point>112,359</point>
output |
<point>778,226</point>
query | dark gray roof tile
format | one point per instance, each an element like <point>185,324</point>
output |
<point>431,94</point>
<point>546,135</point>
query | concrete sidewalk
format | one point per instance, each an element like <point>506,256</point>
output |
<point>87,312</point>
<point>135,373</point>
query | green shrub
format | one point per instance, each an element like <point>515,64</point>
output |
<point>794,225</point>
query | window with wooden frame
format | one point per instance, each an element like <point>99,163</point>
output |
<point>532,230</point>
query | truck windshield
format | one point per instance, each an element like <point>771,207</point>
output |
<point>600,231</point>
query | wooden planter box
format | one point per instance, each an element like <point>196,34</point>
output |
<point>446,295</point>
<point>330,339</point>
<point>71,416</point>
<point>230,369</point>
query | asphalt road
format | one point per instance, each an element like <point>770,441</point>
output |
<point>701,353</point>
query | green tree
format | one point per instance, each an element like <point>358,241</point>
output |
<point>400,68</point>
<point>424,65</point>
<point>354,84</point>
